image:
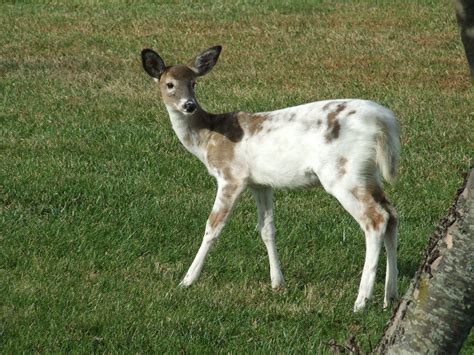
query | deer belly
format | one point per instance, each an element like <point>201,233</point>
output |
<point>283,158</point>
<point>282,173</point>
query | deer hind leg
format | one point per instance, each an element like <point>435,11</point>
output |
<point>370,209</point>
<point>391,241</point>
<point>264,198</point>
<point>227,194</point>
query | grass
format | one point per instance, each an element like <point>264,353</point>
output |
<point>102,210</point>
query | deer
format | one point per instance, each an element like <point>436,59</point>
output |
<point>345,146</point>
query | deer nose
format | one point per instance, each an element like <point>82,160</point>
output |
<point>190,106</point>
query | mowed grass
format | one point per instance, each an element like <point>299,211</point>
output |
<point>102,210</point>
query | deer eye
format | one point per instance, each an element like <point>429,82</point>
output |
<point>169,85</point>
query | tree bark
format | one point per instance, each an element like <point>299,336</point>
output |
<point>437,312</point>
<point>465,18</point>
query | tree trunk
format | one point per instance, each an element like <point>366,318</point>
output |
<point>465,17</point>
<point>437,312</point>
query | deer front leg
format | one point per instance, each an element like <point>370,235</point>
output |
<point>264,199</point>
<point>227,194</point>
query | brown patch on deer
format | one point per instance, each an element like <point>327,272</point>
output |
<point>374,202</point>
<point>217,217</point>
<point>253,123</point>
<point>333,124</point>
<point>220,150</point>
<point>226,125</point>
<point>375,217</point>
<point>222,132</point>
<point>341,166</point>
<point>351,112</point>
<point>178,72</point>
<point>228,194</point>
<point>380,198</point>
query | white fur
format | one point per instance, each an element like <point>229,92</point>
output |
<point>286,156</point>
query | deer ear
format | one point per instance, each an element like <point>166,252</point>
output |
<point>204,62</point>
<point>152,63</point>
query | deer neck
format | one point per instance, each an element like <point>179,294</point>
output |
<point>191,129</point>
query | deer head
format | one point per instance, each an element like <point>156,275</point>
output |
<point>177,82</point>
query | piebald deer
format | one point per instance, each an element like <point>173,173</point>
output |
<point>343,145</point>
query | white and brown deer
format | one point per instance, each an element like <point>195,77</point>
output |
<point>342,145</point>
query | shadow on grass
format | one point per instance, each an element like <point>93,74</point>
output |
<point>408,268</point>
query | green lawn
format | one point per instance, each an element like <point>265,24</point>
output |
<point>102,210</point>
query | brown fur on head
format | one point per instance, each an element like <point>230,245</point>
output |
<point>177,82</point>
